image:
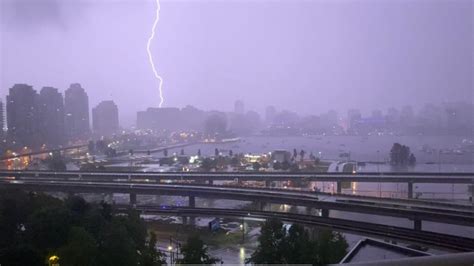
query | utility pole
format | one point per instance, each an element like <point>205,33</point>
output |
<point>378,161</point>
<point>439,160</point>
<point>242,228</point>
<point>170,249</point>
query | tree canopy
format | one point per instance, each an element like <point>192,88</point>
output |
<point>36,226</point>
<point>195,252</point>
<point>277,245</point>
<point>400,155</point>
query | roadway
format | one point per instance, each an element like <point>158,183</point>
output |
<point>433,178</point>
<point>401,202</point>
<point>463,217</point>
<point>409,178</point>
<point>362,228</point>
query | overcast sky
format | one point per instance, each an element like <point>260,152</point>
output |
<point>307,56</point>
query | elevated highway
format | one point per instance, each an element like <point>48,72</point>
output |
<point>342,225</point>
<point>379,201</point>
<point>407,178</point>
<point>417,214</point>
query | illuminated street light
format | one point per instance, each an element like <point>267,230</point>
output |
<point>53,260</point>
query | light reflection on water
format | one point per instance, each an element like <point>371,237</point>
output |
<point>242,255</point>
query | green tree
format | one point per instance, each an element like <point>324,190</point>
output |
<point>412,159</point>
<point>295,246</point>
<point>20,254</point>
<point>207,164</point>
<point>331,247</point>
<point>117,248</point>
<point>302,154</point>
<point>78,208</point>
<point>271,244</point>
<point>48,227</point>
<point>34,226</point>
<point>299,249</point>
<point>195,252</point>
<point>400,155</point>
<point>135,226</point>
<point>80,250</point>
<point>150,255</point>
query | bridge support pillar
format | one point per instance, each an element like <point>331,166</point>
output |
<point>325,213</point>
<point>339,187</point>
<point>260,205</point>
<point>410,190</point>
<point>133,198</point>
<point>210,182</point>
<point>268,183</point>
<point>417,224</point>
<point>308,210</point>
<point>192,201</point>
<point>184,220</point>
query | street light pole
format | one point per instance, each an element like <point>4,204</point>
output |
<point>439,160</point>
<point>170,249</point>
<point>378,171</point>
<point>242,228</point>
<point>378,161</point>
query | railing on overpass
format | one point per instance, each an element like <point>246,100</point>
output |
<point>408,178</point>
<point>415,213</point>
<point>343,225</point>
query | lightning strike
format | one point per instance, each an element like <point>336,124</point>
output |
<point>150,57</point>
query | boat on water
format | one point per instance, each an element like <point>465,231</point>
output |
<point>222,141</point>
<point>230,140</point>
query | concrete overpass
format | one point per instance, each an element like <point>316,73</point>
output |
<point>362,228</point>
<point>371,200</point>
<point>407,178</point>
<point>417,214</point>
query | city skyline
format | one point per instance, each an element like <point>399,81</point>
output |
<point>343,114</point>
<point>347,56</point>
<point>47,118</point>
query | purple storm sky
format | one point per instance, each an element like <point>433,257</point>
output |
<point>307,56</point>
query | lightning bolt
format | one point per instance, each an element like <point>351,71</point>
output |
<point>150,57</point>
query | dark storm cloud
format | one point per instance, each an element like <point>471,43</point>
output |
<point>33,14</point>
